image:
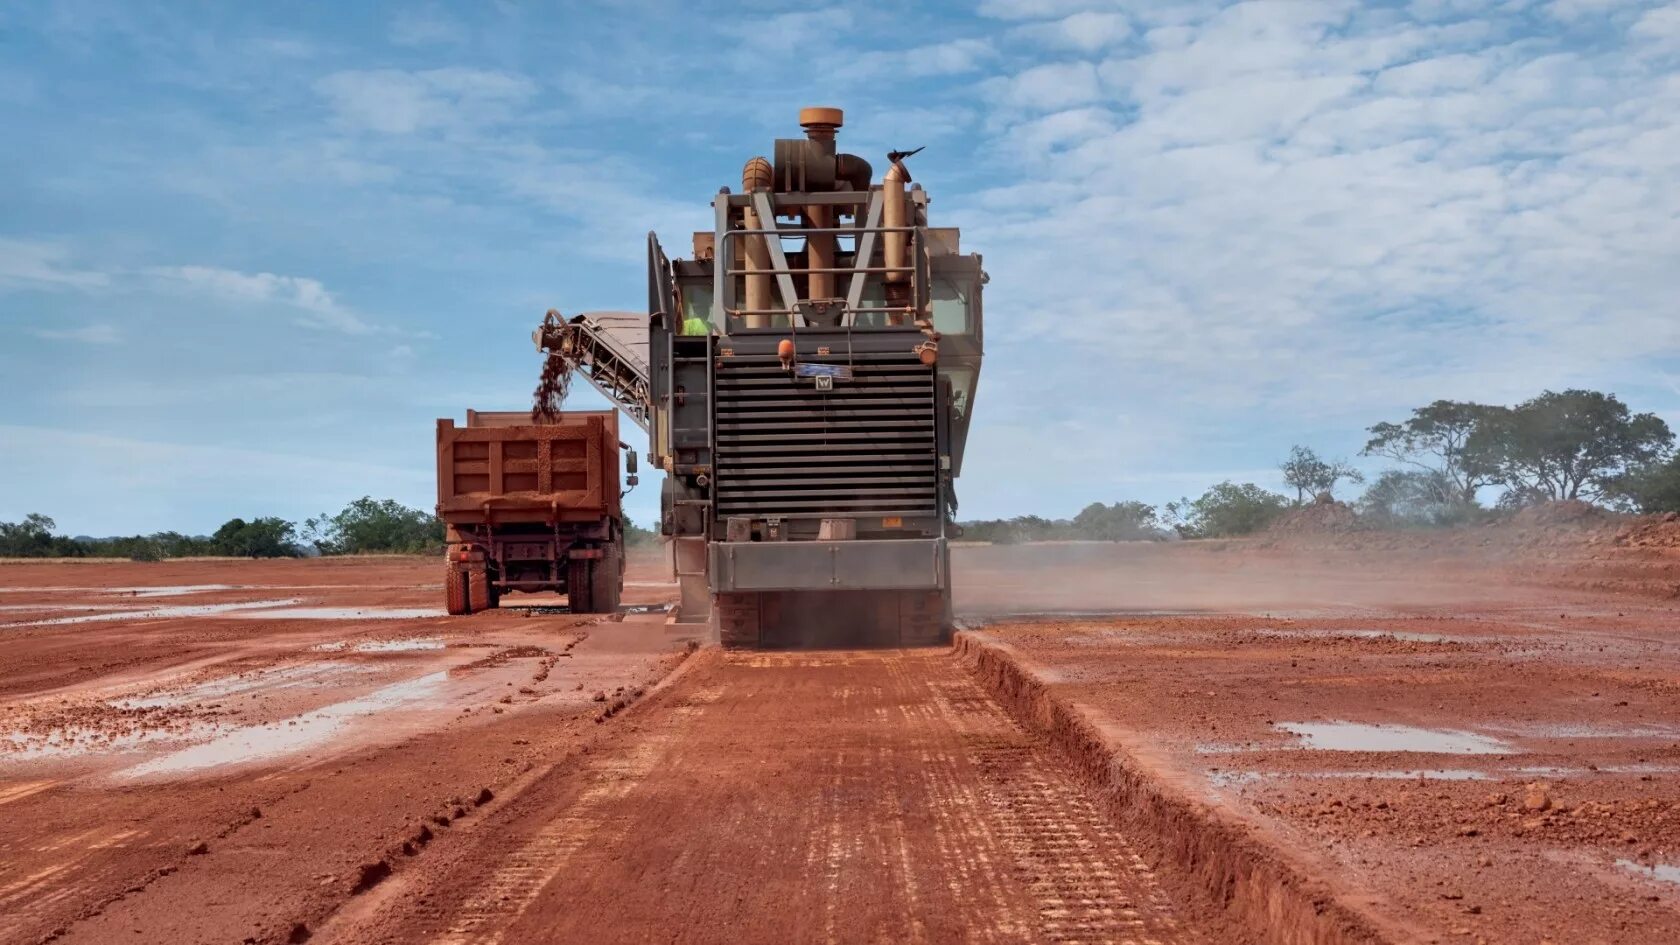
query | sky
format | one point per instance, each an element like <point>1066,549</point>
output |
<point>250,252</point>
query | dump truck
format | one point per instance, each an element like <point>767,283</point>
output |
<point>532,506</point>
<point>806,379</point>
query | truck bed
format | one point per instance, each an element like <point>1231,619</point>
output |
<point>501,468</point>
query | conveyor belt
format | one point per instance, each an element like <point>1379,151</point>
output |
<point>610,350</point>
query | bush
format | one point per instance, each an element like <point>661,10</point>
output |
<point>375,526</point>
<point>1226,510</point>
<point>259,538</point>
<point>1651,489</point>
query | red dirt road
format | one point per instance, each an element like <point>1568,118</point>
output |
<point>218,764</point>
<point>814,797</point>
<point>1213,744</point>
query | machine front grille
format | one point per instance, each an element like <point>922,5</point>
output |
<point>866,447</point>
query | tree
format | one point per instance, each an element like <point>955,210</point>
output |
<point>1122,521</point>
<point>375,526</point>
<point>33,538</point>
<point>1650,489</point>
<point>635,535</point>
<point>1572,445</point>
<point>1310,475</point>
<point>1439,439</point>
<point>1415,498</point>
<point>259,538</point>
<point>1226,510</point>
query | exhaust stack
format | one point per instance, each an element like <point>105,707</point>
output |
<point>757,175</point>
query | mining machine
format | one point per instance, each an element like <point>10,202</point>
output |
<point>806,379</point>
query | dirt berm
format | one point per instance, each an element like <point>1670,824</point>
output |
<point>1279,895</point>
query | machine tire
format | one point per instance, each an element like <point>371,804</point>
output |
<point>579,584</point>
<point>606,580</point>
<point>455,591</point>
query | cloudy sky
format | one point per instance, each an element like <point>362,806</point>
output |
<point>249,252</point>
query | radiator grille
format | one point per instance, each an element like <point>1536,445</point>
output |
<point>867,447</point>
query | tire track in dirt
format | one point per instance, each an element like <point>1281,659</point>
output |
<point>813,797</point>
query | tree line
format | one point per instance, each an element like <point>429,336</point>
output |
<point>365,526</point>
<point>1578,445</point>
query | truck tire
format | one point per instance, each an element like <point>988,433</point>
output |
<point>478,590</point>
<point>455,591</point>
<point>606,580</point>
<point>579,585</point>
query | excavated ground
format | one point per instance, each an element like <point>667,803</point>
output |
<point>1455,749</point>
<point>1180,744</point>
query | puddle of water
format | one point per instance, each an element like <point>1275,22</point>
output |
<point>1223,778</point>
<point>281,677</point>
<point>1410,636</point>
<point>290,736</point>
<point>1589,730</point>
<point>348,613</point>
<point>170,590</point>
<point>1661,872</point>
<point>155,613</point>
<point>1357,736</point>
<point>54,606</point>
<point>405,645</point>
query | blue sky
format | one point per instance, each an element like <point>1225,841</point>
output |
<point>249,252</point>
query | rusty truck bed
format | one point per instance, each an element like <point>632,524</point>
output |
<point>501,468</point>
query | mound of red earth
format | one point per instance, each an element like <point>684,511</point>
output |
<point>1655,531</point>
<point>1568,512</point>
<point>1323,515</point>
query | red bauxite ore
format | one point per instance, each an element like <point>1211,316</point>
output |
<point>1131,743</point>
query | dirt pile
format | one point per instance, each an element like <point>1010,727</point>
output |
<point>1324,516</point>
<point>1656,531</point>
<point>1569,513</point>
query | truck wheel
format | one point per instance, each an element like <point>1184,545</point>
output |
<point>455,591</point>
<point>478,589</point>
<point>579,585</point>
<point>606,581</point>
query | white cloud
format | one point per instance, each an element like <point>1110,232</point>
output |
<point>954,57</point>
<point>1087,31</point>
<point>396,102</point>
<point>35,264</point>
<point>316,306</point>
<point>787,33</point>
<point>95,334</point>
<point>425,27</point>
<point>1036,9</point>
<point>1302,210</point>
<point>1047,87</point>
<point>1660,28</point>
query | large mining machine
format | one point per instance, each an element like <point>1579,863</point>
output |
<point>806,380</point>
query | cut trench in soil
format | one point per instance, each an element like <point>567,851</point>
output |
<point>1277,896</point>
